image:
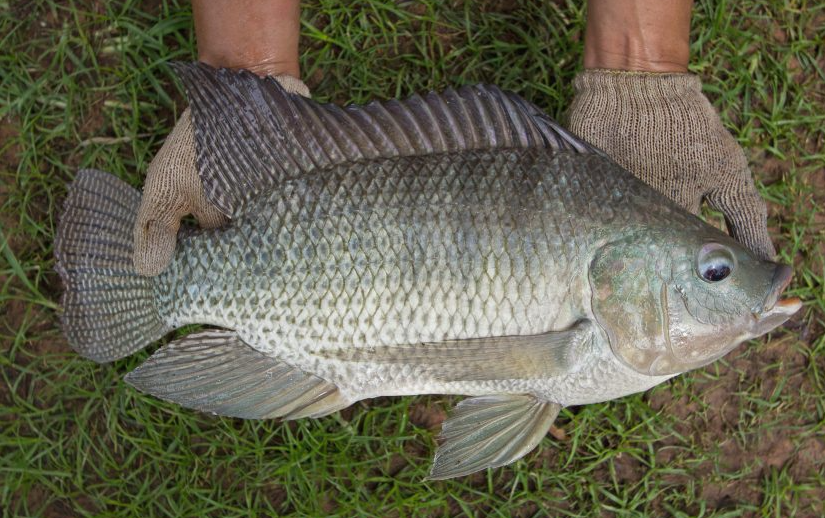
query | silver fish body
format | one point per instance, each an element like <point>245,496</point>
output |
<point>457,243</point>
<point>324,270</point>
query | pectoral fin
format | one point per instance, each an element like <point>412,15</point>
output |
<point>214,371</point>
<point>490,431</point>
<point>544,355</point>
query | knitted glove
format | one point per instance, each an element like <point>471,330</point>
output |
<point>660,127</point>
<point>174,189</point>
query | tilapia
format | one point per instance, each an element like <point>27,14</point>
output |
<point>455,243</point>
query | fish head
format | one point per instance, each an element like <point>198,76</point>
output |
<point>672,302</point>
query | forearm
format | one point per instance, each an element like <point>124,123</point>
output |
<point>259,35</point>
<point>643,35</point>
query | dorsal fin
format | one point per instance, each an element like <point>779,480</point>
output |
<point>251,134</point>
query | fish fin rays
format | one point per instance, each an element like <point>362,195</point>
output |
<point>539,356</point>
<point>490,431</point>
<point>252,135</point>
<point>108,310</point>
<point>215,371</point>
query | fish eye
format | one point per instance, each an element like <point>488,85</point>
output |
<point>715,262</point>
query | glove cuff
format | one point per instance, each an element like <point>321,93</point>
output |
<point>624,84</point>
<point>292,84</point>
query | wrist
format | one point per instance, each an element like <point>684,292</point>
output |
<point>260,64</point>
<point>638,35</point>
<point>258,35</point>
<point>630,55</point>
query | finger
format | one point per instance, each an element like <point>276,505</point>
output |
<point>746,215</point>
<point>154,249</point>
<point>155,237</point>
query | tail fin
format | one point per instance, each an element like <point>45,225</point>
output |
<point>108,309</point>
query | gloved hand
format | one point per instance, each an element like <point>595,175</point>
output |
<point>174,189</point>
<point>660,127</point>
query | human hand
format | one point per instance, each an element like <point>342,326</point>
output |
<point>661,128</point>
<point>174,189</point>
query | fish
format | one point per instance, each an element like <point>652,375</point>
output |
<point>456,243</point>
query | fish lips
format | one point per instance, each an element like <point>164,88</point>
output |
<point>775,311</point>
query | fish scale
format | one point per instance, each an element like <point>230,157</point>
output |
<point>454,243</point>
<point>396,252</point>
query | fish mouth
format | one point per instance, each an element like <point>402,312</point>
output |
<point>781,278</point>
<point>776,311</point>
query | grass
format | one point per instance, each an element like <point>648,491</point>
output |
<point>87,84</point>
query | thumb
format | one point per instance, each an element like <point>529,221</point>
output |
<point>173,189</point>
<point>155,236</point>
<point>745,214</point>
<point>164,201</point>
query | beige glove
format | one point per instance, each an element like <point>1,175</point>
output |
<point>660,127</point>
<point>174,189</point>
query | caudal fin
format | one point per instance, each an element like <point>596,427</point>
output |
<point>108,309</point>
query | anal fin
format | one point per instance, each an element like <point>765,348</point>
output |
<point>216,372</point>
<point>490,431</point>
